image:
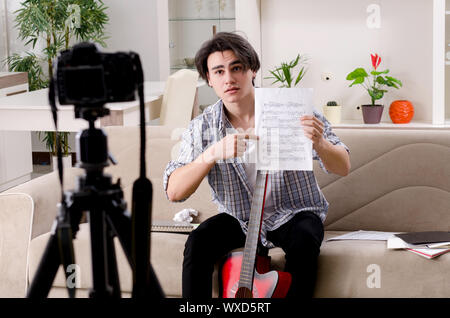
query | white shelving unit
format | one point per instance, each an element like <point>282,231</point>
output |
<point>191,22</point>
<point>358,124</point>
<point>15,162</point>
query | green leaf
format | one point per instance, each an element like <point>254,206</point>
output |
<point>392,79</point>
<point>391,84</point>
<point>300,75</point>
<point>358,80</point>
<point>381,80</point>
<point>357,73</point>
<point>376,94</point>
<point>294,62</point>
<point>379,73</point>
<point>287,76</point>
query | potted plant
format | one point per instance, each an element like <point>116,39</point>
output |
<point>376,87</point>
<point>283,74</point>
<point>57,23</point>
<point>332,112</point>
<point>51,143</point>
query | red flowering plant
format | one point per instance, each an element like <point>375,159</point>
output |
<point>376,86</point>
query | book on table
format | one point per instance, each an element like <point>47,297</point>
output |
<point>426,244</point>
<point>429,252</point>
<point>428,237</point>
<point>172,226</point>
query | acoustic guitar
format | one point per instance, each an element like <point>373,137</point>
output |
<point>246,274</point>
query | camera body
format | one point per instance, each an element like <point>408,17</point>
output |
<point>88,78</point>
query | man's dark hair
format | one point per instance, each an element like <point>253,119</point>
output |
<point>224,41</point>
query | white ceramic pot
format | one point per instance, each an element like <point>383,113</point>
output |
<point>66,160</point>
<point>332,114</point>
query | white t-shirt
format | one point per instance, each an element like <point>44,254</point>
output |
<point>249,163</point>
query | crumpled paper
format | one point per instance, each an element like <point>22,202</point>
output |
<point>185,215</point>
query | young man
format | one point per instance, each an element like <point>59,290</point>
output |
<point>295,206</point>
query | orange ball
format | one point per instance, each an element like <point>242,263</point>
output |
<point>401,111</point>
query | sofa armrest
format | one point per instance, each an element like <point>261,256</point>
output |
<point>45,192</point>
<point>16,216</point>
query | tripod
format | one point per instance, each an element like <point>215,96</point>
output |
<point>107,217</point>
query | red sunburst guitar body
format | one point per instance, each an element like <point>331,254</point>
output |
<point>246,274</point>
<point>266,283</point>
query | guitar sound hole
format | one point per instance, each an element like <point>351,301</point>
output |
<point>244,292</point>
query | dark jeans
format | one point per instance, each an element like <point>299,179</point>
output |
<point>300,239</point>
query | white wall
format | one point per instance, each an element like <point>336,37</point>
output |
<point>335,36</point>
<point>447,68</point>
<point>133,26</point>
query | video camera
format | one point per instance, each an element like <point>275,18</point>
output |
<point>86,77</point>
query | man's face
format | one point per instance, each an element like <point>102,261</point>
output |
<point>227,77</point>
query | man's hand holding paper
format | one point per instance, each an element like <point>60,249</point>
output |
<point>313,129</point>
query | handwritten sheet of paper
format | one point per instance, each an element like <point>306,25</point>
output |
<point>282,144</point>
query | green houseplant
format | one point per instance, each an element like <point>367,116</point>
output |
<point>375,85</point>
<point>285,73</point>
<point>49,138</point>
<point>332,112</point>
<point>57,23</point>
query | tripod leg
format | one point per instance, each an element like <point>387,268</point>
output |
<point>59,250</point>
<point>46,272</point>
<point>120,222</point>
<point>101,289</point>
<point>113,275</point>
<point>67,254</point>
<point>154,288</point>
<point>68,225</point>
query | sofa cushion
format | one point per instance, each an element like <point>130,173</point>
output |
<point>346,268</point>
<point>349,268</point>
<point>166,257</point>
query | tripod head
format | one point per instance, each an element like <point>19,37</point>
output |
<point>92,145</point>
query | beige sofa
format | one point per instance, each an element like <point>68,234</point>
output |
<point>399,181</point>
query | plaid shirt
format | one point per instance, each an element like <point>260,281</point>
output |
<point>292,191</point>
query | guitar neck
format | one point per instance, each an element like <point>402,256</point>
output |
<point>254,229</point>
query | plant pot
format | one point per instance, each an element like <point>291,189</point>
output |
<point>332,114</point>
<point>372,113</point>
<point>401,111</point>
<point>66,160</point>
